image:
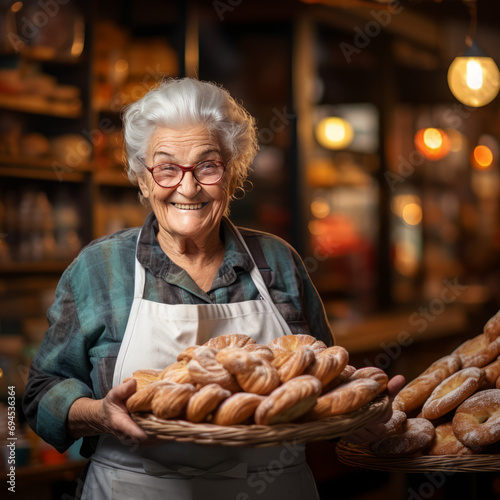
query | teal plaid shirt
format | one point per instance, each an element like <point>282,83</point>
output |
<point>93,299</point>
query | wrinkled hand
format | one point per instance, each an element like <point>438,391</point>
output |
<point>116,416</point>
<point>377,429</point>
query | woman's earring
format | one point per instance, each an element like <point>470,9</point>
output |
<point>243,190</point>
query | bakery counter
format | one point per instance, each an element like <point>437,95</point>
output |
<point>404,328</point>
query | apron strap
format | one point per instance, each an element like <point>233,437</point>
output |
<point>259,258</point>
<point>259,282</point>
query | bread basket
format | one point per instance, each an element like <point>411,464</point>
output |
<point>262,435</point>
<point>361,456</point>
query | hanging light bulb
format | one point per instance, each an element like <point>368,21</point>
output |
<point>473,77</point>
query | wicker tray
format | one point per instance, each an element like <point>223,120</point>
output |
<point>262,435</point>
<point>361,456</point>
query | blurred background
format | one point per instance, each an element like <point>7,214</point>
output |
<point>384,180</point>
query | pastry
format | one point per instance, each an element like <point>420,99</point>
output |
<point>452,391</point>
<point>414,437</point>
<point>204,369</point>
<point>237,409</point>
<point>170,400</point>
<point>289,401</point>
<point>477,420</point>
<point>253,374</point>
<point>205,401</point>
<point>328,364</point>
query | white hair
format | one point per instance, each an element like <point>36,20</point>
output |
<point>182,102</point>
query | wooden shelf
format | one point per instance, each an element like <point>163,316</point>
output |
<point>34,267</point>
<point>42,169</point>
<point>111,177</point>
<point>37,105</point>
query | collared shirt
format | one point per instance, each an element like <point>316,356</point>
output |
<point>93,299</point>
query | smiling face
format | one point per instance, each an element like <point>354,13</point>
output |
<point>190,211</point>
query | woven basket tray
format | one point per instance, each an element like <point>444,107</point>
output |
<point>262,435</point>
<point>361,456</point>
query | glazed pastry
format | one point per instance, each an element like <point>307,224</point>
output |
<point>289,401</point>
<point>205,401</point>
<point>144,378</point>
<point>237,409</point>
<point>446,443</point>
<point>253,374</point>
<point>204,369</point>
<point>169,401</point>
<point>492,372</point>
<point>142,400</point>
<point>291,364</point>
<point>452,391</point>
<point>416,393</point>
<point>492,327</point>
<point>478,351</point>
<point>178,372</point>
<point>259,350</point>
<point>231,340</point>
<point>328,364</point>
<point>414,437</point>
<point>289,343</point>
<point>374,373</point>
<point>477,420</point>
<point>187,354</point>
<point>345,398</point>
<point>339,379</point>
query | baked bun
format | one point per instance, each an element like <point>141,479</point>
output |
<point>170,400</point>
<point>205,401</point>
<point>492,327</point>
<point>328,364</point>
<point>144,378</point>
<point>414,437</point>
<point>395,423</point>
<point>345,398</point>
<point>446,443</point>
<point>478,351</point>
<point>477,420</point>
<point>492,372</point>
<point>231,340</point>
<point>291,364</point>
<point>288,343</point>
<point>452,391</point>
<point>259,350</point>
<point>237,409</point>
<point>178,372</point>
<point>289,401</point>
<point>187,354</point>
<point>415,394</point>
<point>339,379</point>
<point>373,373</point>
<point>498,383</point>
<point>253,374</point>
<point>141,401</point>
<point>204,369</point>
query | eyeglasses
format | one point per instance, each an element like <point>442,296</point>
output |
<point>169,175</point>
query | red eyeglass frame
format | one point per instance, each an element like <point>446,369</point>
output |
<point>189,168</point>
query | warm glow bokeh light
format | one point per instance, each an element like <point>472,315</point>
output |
<point>412,214</point>
<point>334,133</point>
<point>320,208</point>
<point>433,143</point>
<point>482,157</point>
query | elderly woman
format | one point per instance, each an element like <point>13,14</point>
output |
<point>137,298</point>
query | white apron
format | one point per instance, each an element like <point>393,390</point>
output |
<point>154,336</point>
